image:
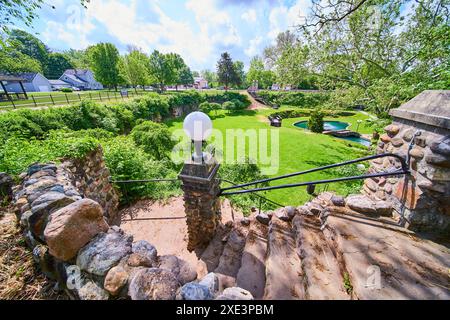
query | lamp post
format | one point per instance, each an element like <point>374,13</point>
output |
<point>198,126</point>
<point>358,123</point>
<point>200,185</point>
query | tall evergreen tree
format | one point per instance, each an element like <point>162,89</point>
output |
<point>226,72</point>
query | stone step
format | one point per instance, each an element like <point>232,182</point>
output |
<point>252,274</point>
<point>284,275</point>
<point>230,260</point>
<point>385,261</point>
<point>209,259</point>
<point>323,276</point>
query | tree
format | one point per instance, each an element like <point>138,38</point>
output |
<point>104,62</point>
<point>180,72</point>
<point>239,69</point>
<point>195,74</point>
<point>378,58</point>
<point>57,63</point>
<point>209,76</point>
<point>154,138</point>
<point>134,68</point>
<point>161,68</point>
<point>226,73</point>
<point>13,61</point>
<point>78,58</point>
<point>283,41</point>
<point>185,76</point>
<point>257,72</point>
<point>315,122</point>
<point>28,44</point>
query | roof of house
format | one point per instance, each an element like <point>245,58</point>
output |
<point>76,71</point>
<point>58,82</point>
<point>24,76</point>
<point>198,79</point>
<point>74,78</point>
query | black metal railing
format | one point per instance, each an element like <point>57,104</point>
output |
<point>402,171</point>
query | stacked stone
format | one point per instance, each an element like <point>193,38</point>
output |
<point>202,208</point>
<point>91,177</point>
<point>74,245</point>
<point>423,197</point>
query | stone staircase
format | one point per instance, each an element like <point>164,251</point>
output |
<point>326,252</point>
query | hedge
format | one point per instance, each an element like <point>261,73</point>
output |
<point>297,99</point>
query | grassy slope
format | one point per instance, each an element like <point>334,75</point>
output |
<point>299,150</point>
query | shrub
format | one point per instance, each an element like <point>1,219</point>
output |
<point>229,106</point>
<point>154,138</point>
<point>315,122</point>
<point>298,99</point>
<point>242,173</point>
<point>66,90</point>
<point>126,161</point>
<point>215,106</point>
<point>205,107</point>
<point>18,153</point>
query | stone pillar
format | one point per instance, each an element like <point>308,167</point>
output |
<point>201,202</point>
<point>421,131</point>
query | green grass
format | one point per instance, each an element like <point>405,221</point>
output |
<point>299,150</point>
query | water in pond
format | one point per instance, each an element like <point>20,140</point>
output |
<point>327,125</point>
<point>333,126</point>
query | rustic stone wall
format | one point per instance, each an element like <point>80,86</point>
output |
<point>421,131</point>
<point>66,212</point>
<point>90,176</point>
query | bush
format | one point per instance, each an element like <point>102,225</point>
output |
<point>18,153</point>
<point>242,173</point>
<point>229,106</point>
<point>315,122</point>
<point>66,90</point>
<point>205,107</point>
<point>215,106</point>
<point>126,161</point>
<point>298,99</point>
<point>153,138</point>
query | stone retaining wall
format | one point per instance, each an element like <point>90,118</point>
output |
<point>421,131</point>
<point>67,211</point>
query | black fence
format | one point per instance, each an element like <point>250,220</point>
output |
<point>59,98</point>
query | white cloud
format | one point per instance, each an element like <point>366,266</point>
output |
<point>214,23</point>
<point>249,15</point>
<point>253,47</point>
<point>74,31</point>
<point>282,18</point>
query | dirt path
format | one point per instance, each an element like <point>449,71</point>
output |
<point>163,224</point>
<point>255,105</point>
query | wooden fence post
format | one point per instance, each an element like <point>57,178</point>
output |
<point>79,97</point>
<point>100,95</point>
<point>53,101</point>
<point>35,104</point>
<point>11,99</point>
<point>67,99</point>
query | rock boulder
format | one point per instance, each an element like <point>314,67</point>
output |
<point>72,227</point>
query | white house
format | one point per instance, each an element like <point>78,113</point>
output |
<point>81,78</point>
<point>59,84</point>
<point>200,83</point>
<point>33,82</point>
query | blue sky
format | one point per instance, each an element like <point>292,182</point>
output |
<point>199,30</point>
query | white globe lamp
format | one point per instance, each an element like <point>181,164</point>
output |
<point>198,127</point>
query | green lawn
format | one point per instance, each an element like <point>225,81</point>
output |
<point>299,150</point>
